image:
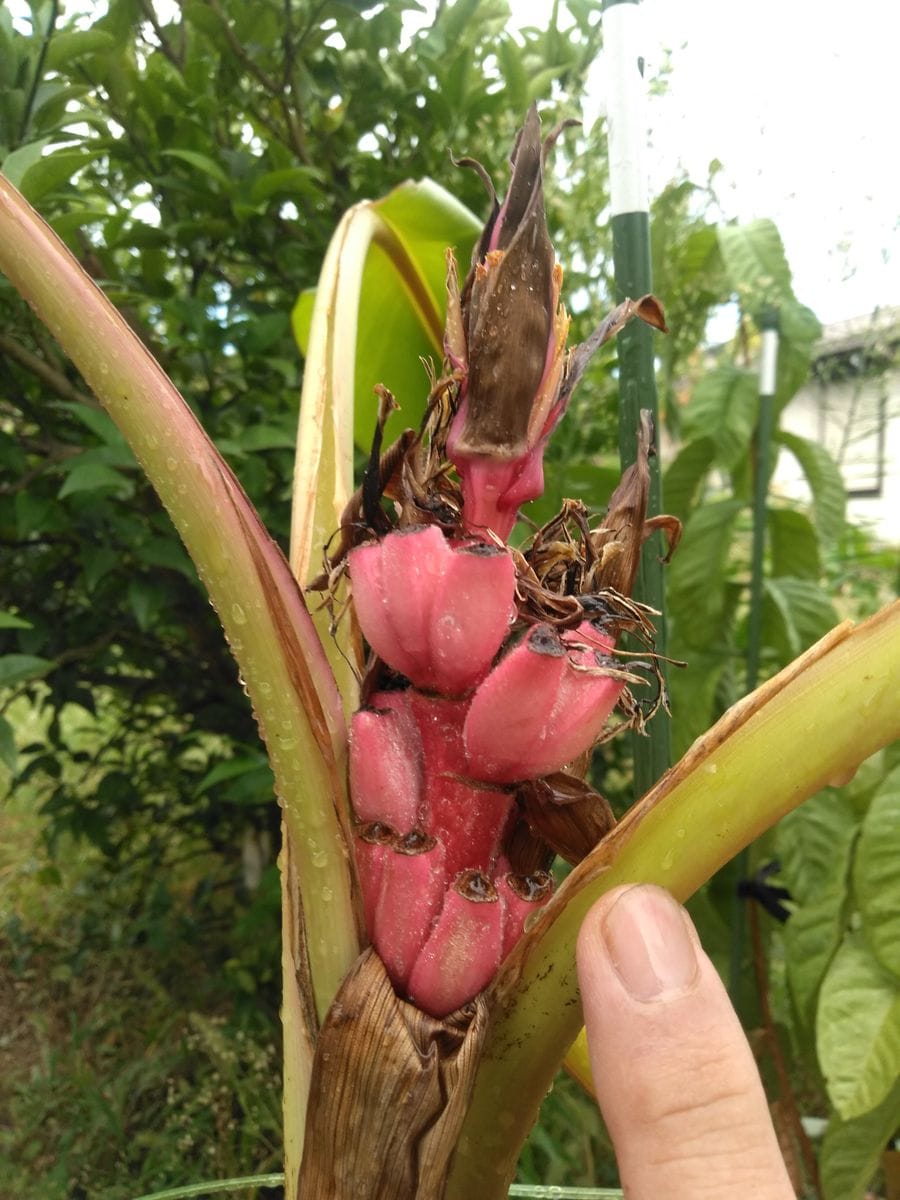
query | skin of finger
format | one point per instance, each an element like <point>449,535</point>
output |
<point>676,1083</point>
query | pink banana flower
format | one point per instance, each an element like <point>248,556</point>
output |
<point>491,670</point>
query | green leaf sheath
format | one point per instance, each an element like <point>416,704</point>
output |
<point>293,692</point>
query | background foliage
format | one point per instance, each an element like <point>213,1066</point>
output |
<point>197,159</point>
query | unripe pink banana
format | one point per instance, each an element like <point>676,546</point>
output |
<point>543,704</point>
<point>464,950</point>
<point>435,613</point>
<point>410,893</point>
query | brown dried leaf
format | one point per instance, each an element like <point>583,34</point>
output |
<point>390,1089</point>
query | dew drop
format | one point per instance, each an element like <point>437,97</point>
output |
<point>668,859</point>
<point>171,463</point>
<point>239,615</point>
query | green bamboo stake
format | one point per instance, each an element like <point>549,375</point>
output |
<point>629,206</point>
<point>768,325</point>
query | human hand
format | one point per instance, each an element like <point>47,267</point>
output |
<point>674,1075</point>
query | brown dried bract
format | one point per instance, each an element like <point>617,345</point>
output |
<point>566,813</point>
<point>396,1082</point>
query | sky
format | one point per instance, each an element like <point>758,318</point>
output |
<point>798,100</point>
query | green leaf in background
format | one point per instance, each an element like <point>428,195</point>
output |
<point>685,474</point>
<point>7,745</point>
<point>800,330</point>
<point>851,1150</point>
<point>875,879</point>
<point>694,693</point>
<point>18,161</point>
<point>288,183</point>
<point>202,162</point>
<point>825,482</point>
<point>90,477</point>
<point>755,262</point>
<point>796,613</point>
<point>146,600</point>
<point>65,48</point>
<point>52,171</point>
<point>754,258</point>
<point>97,421</point>
<point>724,406</point>
<point>697,577</point>
<point>231,768</point>
<point>813,845</point>
<point>402,299</point>
<point>793,544</point>
<point>858,1029</point>
<point>19,668</point>
<point>9,620</point>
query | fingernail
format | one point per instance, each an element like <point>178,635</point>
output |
<point>649,944</point>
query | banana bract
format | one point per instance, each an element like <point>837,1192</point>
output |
<point>491,672</point>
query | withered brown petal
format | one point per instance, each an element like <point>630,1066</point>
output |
<point>527,853</point>
<point>526,186</point>
<point>567,813</point>
<point>617,544</point>
<point>390,1088</point>
<point>509,314</point>
<point>647,308</point>
<point>509,329</point>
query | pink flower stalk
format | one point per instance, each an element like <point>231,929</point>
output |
<point>434,612</point>
<point>408,771</point>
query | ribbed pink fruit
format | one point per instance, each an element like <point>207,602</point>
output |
<point>464,950</point>
<point>521,897</point>
<point>435,613</point>
<point>372,846</point>
<point>410,892</point>
<point>543,704</point>
<point>386,769</point>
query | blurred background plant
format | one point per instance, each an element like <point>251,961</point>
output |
<point>197,159</point>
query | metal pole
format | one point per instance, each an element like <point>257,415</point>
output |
<point>627,131</point>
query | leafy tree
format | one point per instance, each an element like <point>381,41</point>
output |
<point>197,166</point>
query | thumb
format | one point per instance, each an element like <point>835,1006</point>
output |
<point>675,1078</point>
